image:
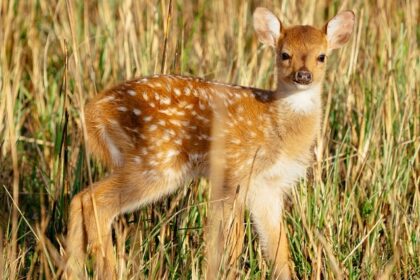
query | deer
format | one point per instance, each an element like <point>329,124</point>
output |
<point>158,132</point>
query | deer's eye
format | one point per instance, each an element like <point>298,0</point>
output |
<point>285,56</point>
<point>321,58</point>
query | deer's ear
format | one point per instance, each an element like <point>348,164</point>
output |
<point>339,29</point>
<point>267,26</point>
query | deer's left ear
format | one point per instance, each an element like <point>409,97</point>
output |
<point>339,29</point>
<point>267,26</point>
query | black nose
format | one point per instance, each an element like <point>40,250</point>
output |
<point>303,77</point>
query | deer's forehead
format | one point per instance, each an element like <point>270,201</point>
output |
<point>303,38</point>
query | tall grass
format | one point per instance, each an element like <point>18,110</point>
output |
<point>356,216</point>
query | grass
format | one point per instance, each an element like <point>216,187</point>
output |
<point>356,216</point>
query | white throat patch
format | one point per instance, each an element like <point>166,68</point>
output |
<point>304,101</point>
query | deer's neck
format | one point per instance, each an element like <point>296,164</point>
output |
<point>296,119</point>
<point>299,101</point>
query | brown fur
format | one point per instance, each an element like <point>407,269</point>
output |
<point>155,133</point>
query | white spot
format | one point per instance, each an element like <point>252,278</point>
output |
<point>157,97</point>
<point>165,100</point>
<point>136,112</point>
<point>153,105</point>
<point>144,151</point>
<point>106,99</point>
<point>122,109</point>
<point>178,141</point>
<point>166,112</point>
<point>248,122</point>
<point>153,127</point>
<point>137,159</point>
<point>145,96</point>
<point>147,118</point>
<point>175,122</point>
<point>203,119</point>
<point>201,106</point>
<point>166,137</point>
<point>182,104</point>
<point>177,92</point>
<point>172,153</point>
<point>131,92</point>
<point>187,91</point>
<point>189,106</point>
<point>162,122</point>
<point>252,134</point>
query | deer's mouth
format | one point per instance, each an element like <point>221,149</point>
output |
<point>301,82</point>
<point>301,86</point>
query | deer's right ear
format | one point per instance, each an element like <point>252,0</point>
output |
<point>267,26</point>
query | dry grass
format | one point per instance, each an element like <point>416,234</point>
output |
<point>356,216</point>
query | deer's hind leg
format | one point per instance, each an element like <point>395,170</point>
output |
<point>94,209</point>
<point>76,239</point>
<point>90,228</point>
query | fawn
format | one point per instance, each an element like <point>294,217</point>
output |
<point>157,132</point>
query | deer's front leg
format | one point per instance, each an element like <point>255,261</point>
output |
<point>266,205</point>
<point>225,233</point>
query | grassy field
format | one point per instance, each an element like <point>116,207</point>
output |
<point>357,214</point>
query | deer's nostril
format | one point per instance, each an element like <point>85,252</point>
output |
<point>303,77</point>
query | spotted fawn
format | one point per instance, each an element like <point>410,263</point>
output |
<point>157,132</point>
